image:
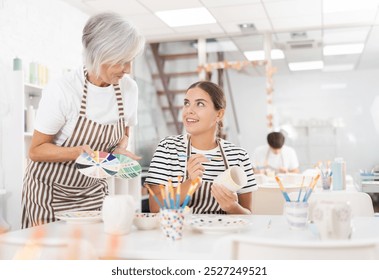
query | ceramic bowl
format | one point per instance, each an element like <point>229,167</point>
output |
<point>146,221</point>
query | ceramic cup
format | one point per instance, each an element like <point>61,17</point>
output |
<point>234,178</point>
<point>333,219</point>
<point>146,221</point>
<point>172,223</point>
<point>296,214</point>
<point>118,213</point>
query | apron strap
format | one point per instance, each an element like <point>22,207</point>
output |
<point>188,153</point>
<point>83,104</point>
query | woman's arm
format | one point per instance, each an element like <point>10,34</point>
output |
<point>42,149</point>
<point>230,202</point>
<point>295,170</point>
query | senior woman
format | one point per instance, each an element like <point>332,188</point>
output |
<point>86,110</point>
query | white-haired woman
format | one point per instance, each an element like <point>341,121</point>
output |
<point>86,110</point>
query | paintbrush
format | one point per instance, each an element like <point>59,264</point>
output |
<point>154,196</point>
<point>191,190</point>
<point>286,197</point>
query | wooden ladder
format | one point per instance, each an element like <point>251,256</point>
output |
<point>165,79</point>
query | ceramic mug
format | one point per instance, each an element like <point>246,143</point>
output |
<point>118,213</point>
<point>172,223</point>
<point>234,178</point>
<point>296,214</point>
<point>333,219</point>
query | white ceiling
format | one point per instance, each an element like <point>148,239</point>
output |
<point>315,22</point>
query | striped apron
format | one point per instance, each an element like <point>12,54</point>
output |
<point>202,201</point>
<point>50,187</point>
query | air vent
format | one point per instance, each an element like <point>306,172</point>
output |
<point>247,28</point>
<point>306,44</point>
<point>302,35</point>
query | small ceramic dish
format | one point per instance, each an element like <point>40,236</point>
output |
<point>146,221</point>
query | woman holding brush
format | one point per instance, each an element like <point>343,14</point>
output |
<point>198,157</point>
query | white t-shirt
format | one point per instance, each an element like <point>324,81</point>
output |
<point>58,110</point>
<point>287,158</point>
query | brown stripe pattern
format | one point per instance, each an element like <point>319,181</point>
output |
<point>50,187</point>
<point>202,201</point>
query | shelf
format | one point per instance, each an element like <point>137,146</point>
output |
<point>370,187</point>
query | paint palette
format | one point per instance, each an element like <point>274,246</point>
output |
<point>102,165</point>
<point>129,168</point>
<point>218,223</point>
<point>80,217</point>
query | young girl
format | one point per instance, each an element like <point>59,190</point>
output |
<point>201,153</point>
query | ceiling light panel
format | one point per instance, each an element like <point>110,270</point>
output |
<point>345,35</point>
<point>306,65</point>
<point>350,18</point>
<point>186,17</point>
<point>260,55</point>
<point>337,6</point>
<point>343,49</point>
<point>163,5</point>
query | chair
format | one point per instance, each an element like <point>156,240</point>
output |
<point>239,247</point>
<point>268,199</point>
<point>360,202</point>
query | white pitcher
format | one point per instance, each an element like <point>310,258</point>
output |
<point>333,219</point>
<point>118,213</point>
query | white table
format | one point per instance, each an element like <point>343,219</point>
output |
<point>194,245</point>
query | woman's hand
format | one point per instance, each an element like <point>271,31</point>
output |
<point>194,167</point>
<point>226,199</point>
<point>123,151</point>
<point>87,149</point>
<point>124,142</point>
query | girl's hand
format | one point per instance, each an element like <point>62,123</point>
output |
<point>225,198</point>
<point>194,167</point>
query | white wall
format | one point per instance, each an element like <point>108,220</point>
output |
<point>299,99</point>
<point>44,31</point>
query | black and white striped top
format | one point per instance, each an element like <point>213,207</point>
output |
<point>169,162</point>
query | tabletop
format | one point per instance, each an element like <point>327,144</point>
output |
<point>195,244</point>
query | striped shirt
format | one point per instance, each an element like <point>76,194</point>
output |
<point>169,162</point>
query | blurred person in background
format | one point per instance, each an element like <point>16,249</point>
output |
<point>275,157</point>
